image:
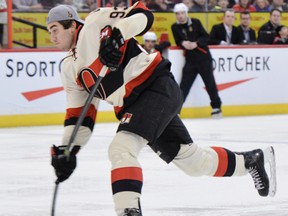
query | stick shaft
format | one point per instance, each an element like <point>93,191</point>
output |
<point>54,199</point>
<point>85,109</point>
<point>76,128</point>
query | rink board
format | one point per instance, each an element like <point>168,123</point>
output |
<point>251,81</point>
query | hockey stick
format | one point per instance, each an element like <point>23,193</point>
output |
<point>76,128</point>
<point>85,109</point>
<point>54,198</point>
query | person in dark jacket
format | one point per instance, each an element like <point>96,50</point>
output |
<point>282,35</point>
<point>248,35</point>
<point>190,35</point>
<point>225,33</point>
<point>267,33</point>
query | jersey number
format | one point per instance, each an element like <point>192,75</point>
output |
<point>116,14</point>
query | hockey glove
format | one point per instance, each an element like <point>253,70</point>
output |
<point>63,165</point>
<point>109,52</point>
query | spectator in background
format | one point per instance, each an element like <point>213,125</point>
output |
<point>247,34</point>
<point>77,5</point>
<point>3,24</point>
<point>191,36</point>
<point>225,33</point>
<point>145,2</point>
<point>150,43</point>
<point>85,5</point>
<point>90,5</point>
<point>278,4</point>
<point>189,4</point>
<point>211,4</point>
<point>221,5</point>
<point>48,4</point>
<point>244,5</point>
<point>109,3</point>
<point>157,5</point>
<point>281,35</point>
<point>120,3</point>
<point>262,6</point>
<point>27,5</point>
<point>200,6</point>
<point>267,33</point>
<point>232,3</point>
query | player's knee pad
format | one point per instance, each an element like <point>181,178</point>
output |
<point>124,149</point>
<point>195,161</point>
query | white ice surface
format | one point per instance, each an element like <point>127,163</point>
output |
<point>26,177</point>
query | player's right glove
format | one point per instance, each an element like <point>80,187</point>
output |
<point>109,52</point>
<point>63,165</point>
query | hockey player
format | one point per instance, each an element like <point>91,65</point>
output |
<point>146,101</point>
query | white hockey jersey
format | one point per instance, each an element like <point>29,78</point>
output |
<point>82,66</point>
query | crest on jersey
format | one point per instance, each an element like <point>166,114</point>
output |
<point>87,78</point>
<point>105,32</point>
<point>126,118</point>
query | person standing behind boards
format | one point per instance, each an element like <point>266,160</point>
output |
<point>190,35</point>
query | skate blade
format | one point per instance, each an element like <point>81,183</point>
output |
<point>269,157</point>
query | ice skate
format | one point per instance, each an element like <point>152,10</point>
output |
<point>132,212</point>
<point>255,163</point>
<point>216,113</point>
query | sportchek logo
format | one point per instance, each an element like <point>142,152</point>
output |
<point>34,95</point>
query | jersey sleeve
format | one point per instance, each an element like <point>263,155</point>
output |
<point>76,97</point>
<point>85,130</point>
<point>131,21</point>
<point>138,12</point>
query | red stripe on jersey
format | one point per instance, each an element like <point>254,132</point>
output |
<point>123,49</point>
<point>96,66</point>
<point>76,34</point>
<point>87,78</point>
<point>131,173</point>
<point>222,161</point>
<point>76,112</point>
<point>141,5</point>
<point>140,79</point>
<point>117,109</point>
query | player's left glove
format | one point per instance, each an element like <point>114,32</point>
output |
<point>109,52</point>
<point>63,165</point>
